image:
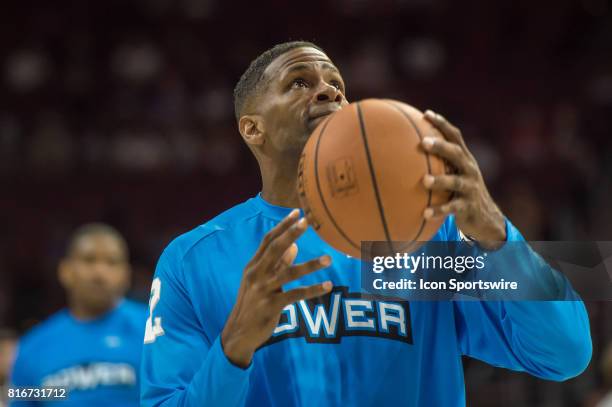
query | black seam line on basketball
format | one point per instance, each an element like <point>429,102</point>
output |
<point>426,160</point>
<point>316,168</point>
<point>364,137</point>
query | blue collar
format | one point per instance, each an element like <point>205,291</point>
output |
<point>274,211</point>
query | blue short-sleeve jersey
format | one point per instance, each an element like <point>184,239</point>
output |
<point>97,361</point>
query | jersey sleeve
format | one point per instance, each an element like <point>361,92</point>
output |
<point>180,365</point>
<point>548,339</point>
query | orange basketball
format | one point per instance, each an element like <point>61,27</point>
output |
<point>361,176</point>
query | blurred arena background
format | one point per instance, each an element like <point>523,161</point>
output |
<point>121,111</point>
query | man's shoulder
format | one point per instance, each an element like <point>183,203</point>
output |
<point>227,222</point>
<point>133,309</point>
<point>42,332</point>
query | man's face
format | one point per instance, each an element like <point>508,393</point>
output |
<point>96,272</point>
<point>303,87</point>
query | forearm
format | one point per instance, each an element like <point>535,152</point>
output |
<point>546,326</point>
<point>550,338</point>
<point>555,334</point>
<point>217,383</point>
<point>514,261</point>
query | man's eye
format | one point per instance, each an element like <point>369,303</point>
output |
<point>299,83</point>
<point>336,85</point>
<point>88,259</point>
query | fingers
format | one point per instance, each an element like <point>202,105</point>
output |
<point>297,271</point>
<point>277,247</point>
<point>305,293</point>
<point>450,132</point>
<point>456,183</point>
<point>289,256</point>
<point>275,232</point>
<point>455,206</point>
<point>451,152</point>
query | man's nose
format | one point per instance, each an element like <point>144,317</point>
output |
<point>328,93</point>
<point>100,270</point>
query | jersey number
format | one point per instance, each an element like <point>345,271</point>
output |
<point>153,328</point>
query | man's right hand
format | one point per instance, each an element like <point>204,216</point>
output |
<point>261,298</point>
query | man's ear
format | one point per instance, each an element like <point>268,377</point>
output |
<point>64,274</point>
<point>252,129</point>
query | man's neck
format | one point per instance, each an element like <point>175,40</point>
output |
<point>280,182</point>
<point>85,313</point>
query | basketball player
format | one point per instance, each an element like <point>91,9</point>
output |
<point>253,308</point>
<point>93,347</point>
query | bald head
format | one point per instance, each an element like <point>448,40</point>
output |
<point>90,229</point>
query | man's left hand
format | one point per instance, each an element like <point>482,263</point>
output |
<point>476,214</point>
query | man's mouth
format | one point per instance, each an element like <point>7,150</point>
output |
<point>314,121</point>
<point>318,115</point>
